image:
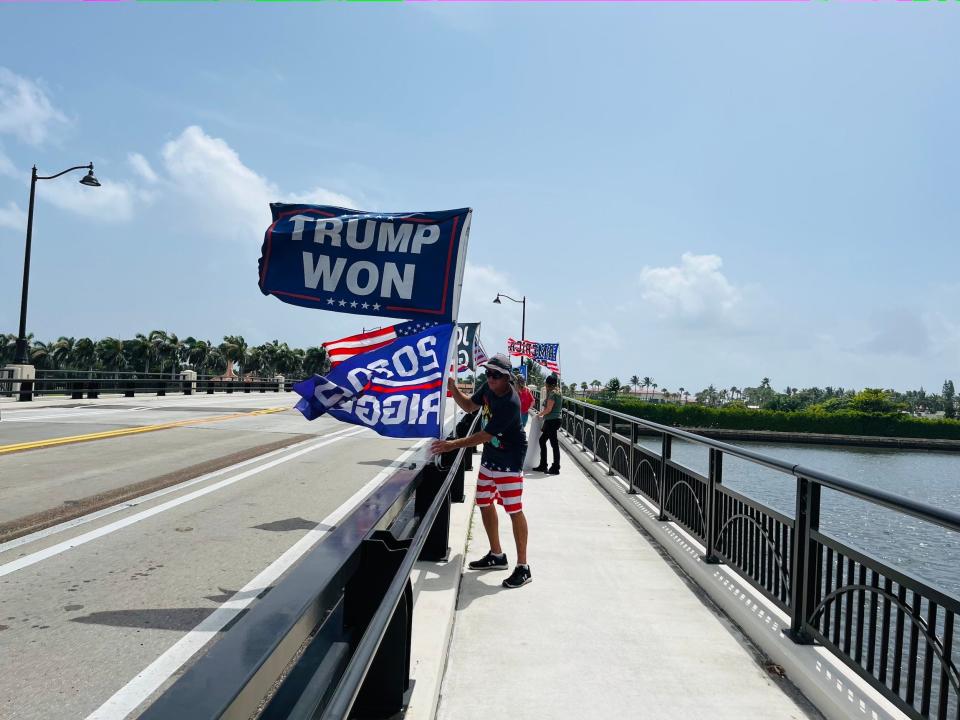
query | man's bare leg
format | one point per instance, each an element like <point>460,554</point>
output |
<point>519,521</point>
<point>491,525</point>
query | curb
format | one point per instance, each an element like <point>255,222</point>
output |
<point>820,676</point>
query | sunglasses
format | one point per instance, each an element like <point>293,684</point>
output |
<point>494,375</point>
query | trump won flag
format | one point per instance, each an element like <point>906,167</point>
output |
<point>396,265</point>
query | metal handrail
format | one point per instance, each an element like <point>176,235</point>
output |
<point>923,511</point>
<point>827,587</point>
<point>346,693</point>
<point>236,675</point>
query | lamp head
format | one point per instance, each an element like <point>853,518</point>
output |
<point>90,179</point>
<point>496,300</point>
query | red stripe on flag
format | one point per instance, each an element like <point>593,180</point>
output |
<point>406,388</point>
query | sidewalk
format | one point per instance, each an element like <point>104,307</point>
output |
<point>607,629</point>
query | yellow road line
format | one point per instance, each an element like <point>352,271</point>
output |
<point>53,442</point>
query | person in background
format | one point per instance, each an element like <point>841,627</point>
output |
<point>552,402</point>
<point>526,399</point>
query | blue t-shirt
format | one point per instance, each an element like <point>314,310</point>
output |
<point>500,416</point>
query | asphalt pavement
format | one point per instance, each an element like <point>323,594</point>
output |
<point>98,612</point>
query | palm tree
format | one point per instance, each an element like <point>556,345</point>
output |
<point>84,354</point>
<point>680,392</point>
<point>634,382</point>
<point>316,362</point>
<point>583,387</point>
<point>174,350</point>
<point>234,349</point>
<point>41,354</point>
<point>215,363</point>
<point>141,350</point>
<point>197,352</point>
<point>596,385</point>
<point>63,351</point>
<point>158,346</point>
<point>110,351</point>
<point>654,385</point>
<point>646,382</point>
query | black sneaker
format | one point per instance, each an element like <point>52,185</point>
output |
<point>490,562</point>
<point>539,468</point>
<point>554,470</point>
<point>519,577</point>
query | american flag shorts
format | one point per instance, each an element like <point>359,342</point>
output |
<point>504,487</point>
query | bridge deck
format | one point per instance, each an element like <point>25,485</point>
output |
<point>609,627</point>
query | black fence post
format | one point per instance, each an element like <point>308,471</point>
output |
<point>382,692</point>
<point>593,434</point>
<point>76,389</point>
<point>715,477</point>
<point>93,390</point>
<point>803,568</point>
<point>26,391</point>
<point>457,491</point>
<point>610,445</point>
<point>436,545</point>
<point>632,459</point>
<point>666,447</point>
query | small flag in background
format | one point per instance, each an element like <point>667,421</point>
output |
<point>479,354</point>
<point>346,348</point>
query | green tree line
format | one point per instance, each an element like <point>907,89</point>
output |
<point>162,351</point>
<point>764,397</point>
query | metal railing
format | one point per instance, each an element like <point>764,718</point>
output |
<point>332,638</point>
<point>893,629</point>
<point>78,384</point>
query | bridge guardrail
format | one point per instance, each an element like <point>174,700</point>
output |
<point>332,637</point>
<point>78,384</point>
<point>893,629</point>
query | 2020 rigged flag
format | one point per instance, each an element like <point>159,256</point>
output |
<point>396,390</point>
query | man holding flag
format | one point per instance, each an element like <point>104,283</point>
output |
<point>501,475</point>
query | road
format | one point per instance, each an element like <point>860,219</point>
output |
<point>126,553</point>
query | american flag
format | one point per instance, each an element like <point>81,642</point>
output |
<point>346,348</point>
<point>551,365</point>
<point>479,354</point>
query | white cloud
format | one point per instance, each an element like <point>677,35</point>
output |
<point>25,110</point>
<point>234,199</point>
<point>694,292</point>
<point>6,165</point>
<point>142,167</point>
<point>111,202</point>
<point>481,283</point>
<point>13,217</point>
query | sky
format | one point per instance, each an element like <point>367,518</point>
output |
<point>695,192</point>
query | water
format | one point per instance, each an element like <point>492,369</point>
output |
<point>926,551</point>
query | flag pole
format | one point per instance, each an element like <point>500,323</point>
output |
<point>455,314</point>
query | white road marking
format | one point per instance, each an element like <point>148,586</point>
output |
<point>141,687</point>
<point>133,502</point>
<point>88,410</point>
<point>62,547</point>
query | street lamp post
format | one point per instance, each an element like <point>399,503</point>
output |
<point>20,355</point>
<point>523,321</point>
